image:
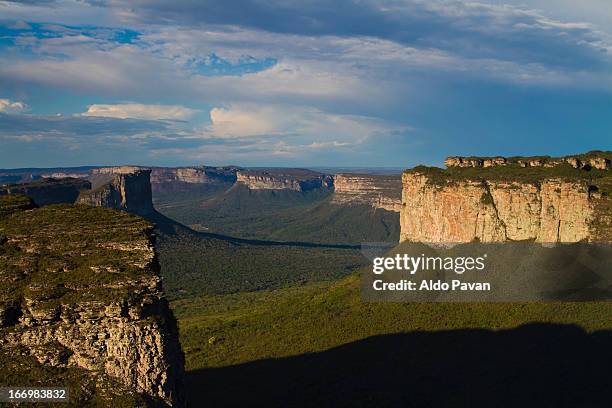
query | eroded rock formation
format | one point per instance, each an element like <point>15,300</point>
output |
<point>539,204</point>
<point>284,179</point>
<point>595,159</point>
<point>378,191</point>
<point>170,180</point>
<point>49,190</point>
<point>125,188</point>
<point>80,290</point>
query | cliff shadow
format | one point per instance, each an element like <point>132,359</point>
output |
<point>170,227</point>
<point>536,365</point>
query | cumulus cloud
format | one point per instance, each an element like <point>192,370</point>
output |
<point>140,111</point>
<point>8,106</point>
<point>311,127</point>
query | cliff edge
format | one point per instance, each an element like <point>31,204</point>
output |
<point>81,304</point>
<point>124,188</point>
<point>503,199</point>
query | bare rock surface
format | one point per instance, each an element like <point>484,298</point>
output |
<point>508,201</point>
<point>378,191</point>
<point>79,290</point>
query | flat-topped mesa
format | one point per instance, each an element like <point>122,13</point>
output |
<point>193,175</point>
<point>561,203</point>
<point>172,180</point>
<point>83,296</point>
<point>49,190</point>
<point>595,159</point>
<point>284,179</point>
<point>378,191</point>
<point>126,188</point>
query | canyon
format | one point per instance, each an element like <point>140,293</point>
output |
<point>498,199</point>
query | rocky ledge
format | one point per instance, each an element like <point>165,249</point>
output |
<point>124,188</point>
<point>284,179</point>
<point>81,301</point>
<point>378,191</point>
<point>565,202</point>
<point>595,159</point>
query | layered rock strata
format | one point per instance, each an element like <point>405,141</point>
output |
<point>125,188</point>
<point>80,289</point>
<point>595,159</point>
<point>284,179</point>
<point>542,205</point>
<point>378,191</point>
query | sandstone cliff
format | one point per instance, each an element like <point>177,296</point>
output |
<point>509,202</point>
<point>378,191</point>
<point>125,188</point>
<point>284,179</point>
<point>595,159</point>
<point>201,179</point>
<point>80,293</point>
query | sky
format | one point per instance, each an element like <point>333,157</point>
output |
<point>359,83</point>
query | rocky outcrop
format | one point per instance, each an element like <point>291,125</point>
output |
<point>124,188</point>
<point>378,191</point>
<point>595,159</point>
<point>49,190</point>
<point>170,180</point>
<point>458,161</point>
<point>83,291</point>
<point>284,179</point>
<point>442,207</point>
<point>193,175</point>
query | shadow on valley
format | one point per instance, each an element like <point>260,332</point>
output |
<point>540,365</point>
<point>169,226</point>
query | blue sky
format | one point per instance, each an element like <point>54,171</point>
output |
<point>301,83</point>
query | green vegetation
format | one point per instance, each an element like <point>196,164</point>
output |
<point>284,216</point>
<point>319,316</point>
<point>514,172</point>
<point>85,389</point>
<point>60,246</point>
<point>13,202</point>
<point>193,264</point>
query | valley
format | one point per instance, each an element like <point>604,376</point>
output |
<point>264,281</point>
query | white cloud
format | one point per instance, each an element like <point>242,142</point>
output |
<point>312,127</point>
<point>7,106</point>
<point>140,111</point>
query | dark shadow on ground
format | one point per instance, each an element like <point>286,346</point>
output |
<point>170,227</point>
<point>537,365</point>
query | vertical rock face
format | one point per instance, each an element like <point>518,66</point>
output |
<point>49,190</point>
<point>378,191</point>
<point>284,179</point>
<point>83,291</point>
<point>128,188</point>
<point>193,175</point>
<point>171,180</point>
<point>443,207</point>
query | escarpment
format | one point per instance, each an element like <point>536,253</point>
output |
<point>284,179</point>
<point>199,179</point>
<point>564,202</point>
<point>81,301</point>
<point>47,191</point>
<point>378,191</point>
<point>126,188</point>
